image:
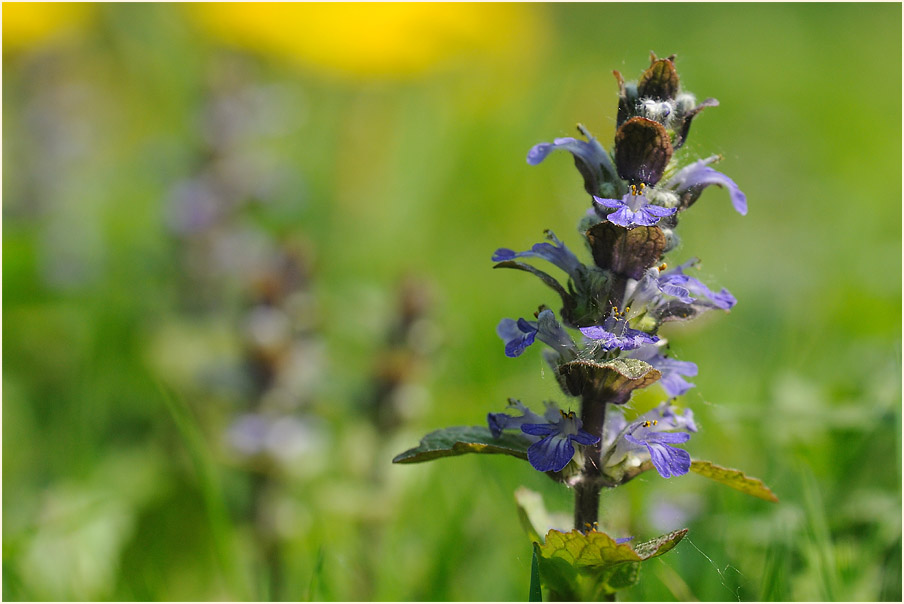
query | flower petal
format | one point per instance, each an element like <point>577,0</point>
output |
<point>667,437</point>
<point>590,158</point>
<point>669,461</point>
<point>674,384</point>
<point>585,438</point>
<point>595,332</point>
<point>551,333</point>
<point>498,422</point>
<point>659,210</point>
<point>700,175</point>
<point>550,454</point>
<point>623,217</point>
<point>555,252</point>
<point>609,203</point>
<point>517,335</point>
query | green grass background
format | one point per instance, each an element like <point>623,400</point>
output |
<point>115,484</point>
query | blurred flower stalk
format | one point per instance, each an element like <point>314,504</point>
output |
<point>277,427</point>
<point>604,343</point>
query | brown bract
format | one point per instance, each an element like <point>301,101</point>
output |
<point>642,151</point>
<point>659,81</point>
<point>612,381</point>
<point>626,252</point>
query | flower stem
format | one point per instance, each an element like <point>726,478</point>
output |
<point>587,490</point>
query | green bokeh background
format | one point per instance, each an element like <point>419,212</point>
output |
<point>115,481</point>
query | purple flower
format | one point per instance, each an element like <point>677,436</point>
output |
<point>699,175</point>
<point>634,209</point>
<point>696,289</point>
<point>554,252</point>
<point>615,333</point>
<point>683,421</point>
<point>517,335</point>
<point>668,460</point>
<point>520,334</point>
<point>648,435</point>
<point>555,449</point>
<point>672,370</point>
<point>655,290</point>
<point>590,158</point>
<point>498,422</point>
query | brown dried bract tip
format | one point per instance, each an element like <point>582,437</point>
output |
<point>642,150</point>
<point>659,81</point>
<point>626,252</point>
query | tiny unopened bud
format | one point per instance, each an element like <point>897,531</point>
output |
<point>660,111</point>
<point>684,102</point>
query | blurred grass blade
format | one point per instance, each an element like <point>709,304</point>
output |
<point>316,577</point>
<point>208,482</point>
<point>535,595</point>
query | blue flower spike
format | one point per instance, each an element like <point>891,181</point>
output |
<point>555,449</point>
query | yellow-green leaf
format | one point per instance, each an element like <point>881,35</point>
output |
<point>587,567</point>
<point>734,479</point>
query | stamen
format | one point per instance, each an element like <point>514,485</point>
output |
<point>663,266</point>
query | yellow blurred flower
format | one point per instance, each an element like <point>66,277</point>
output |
<point>375,39</point>
<point>27,24</point>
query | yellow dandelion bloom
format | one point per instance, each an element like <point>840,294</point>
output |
<point>373,39</point>
<point>28,24</point>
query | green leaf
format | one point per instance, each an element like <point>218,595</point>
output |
<point>534,517</point>
<point>535,594</point>
<point>531,512</point>
<point>459,440</point>
<point>734,479</point>
<point>588,567</point>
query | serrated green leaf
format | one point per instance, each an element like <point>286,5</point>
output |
<point>734,479</point>
<point>587,567</point>
<point>459,440</point>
